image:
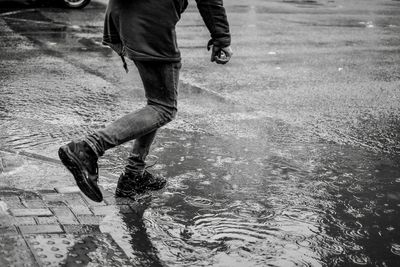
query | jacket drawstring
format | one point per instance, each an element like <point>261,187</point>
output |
<point>124,63</point>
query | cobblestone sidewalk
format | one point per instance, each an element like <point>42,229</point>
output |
<point>58,227</point>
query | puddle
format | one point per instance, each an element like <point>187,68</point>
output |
<point>314,209</point>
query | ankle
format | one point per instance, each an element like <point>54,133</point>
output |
<point>133,171</point>
<point>89,150</point>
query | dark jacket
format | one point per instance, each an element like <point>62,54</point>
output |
<point>145,29</point>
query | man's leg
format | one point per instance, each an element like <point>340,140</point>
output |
<point>129,127</point>
<point>140,150</point>
<point>160,82</point>
<point>81,157</point>
<point>135,178</point>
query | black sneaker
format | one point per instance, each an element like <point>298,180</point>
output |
<point>131,184</point>
<point>81,161</point>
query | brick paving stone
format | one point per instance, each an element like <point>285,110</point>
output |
<point>61,197</point>
<point>75,199</point>
<point>90,219</point>
<point>76,202</point>
<point>47,220</point>
<point>65,215</point>
<point>105,210</point>
<point>31,212</point>
<point>81,229</point>
<point>24,221</point>
<point>71,196</point>
<point>55,204</point>
<point>51,197</point>
<point>10,198</point>
<point>15,205</point>
<point>68,189</point>
<point>40,229</point>
<point>80,210</point>
<point>13,202</point>
<point>34,204</point>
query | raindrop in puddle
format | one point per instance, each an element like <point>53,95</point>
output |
<point>359,259</point>
<point>198,201</point>
<point>395,249</point>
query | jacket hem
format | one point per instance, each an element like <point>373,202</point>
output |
<point>122,50</point>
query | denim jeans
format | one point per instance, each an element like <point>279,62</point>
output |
<point>160,81</point>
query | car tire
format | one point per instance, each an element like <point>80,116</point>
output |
<point>76,3</point>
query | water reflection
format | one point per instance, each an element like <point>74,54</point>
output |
<point>142,247</point>
<point>276,213</point>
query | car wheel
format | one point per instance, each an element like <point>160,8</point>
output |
<point>76,3</point>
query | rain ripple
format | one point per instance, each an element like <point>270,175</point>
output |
<point>230,227</point>
<point>395,249</point>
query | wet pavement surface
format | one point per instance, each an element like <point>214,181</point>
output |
<point>287,156</point>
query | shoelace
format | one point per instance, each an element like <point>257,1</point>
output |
<point>148,167</point>
<point>138,178</point>
<point>87,161</point>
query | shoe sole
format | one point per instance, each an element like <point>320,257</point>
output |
<point>72,164</point>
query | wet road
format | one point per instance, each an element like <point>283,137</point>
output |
<point>288,156</point>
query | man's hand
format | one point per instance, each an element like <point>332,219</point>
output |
<point>221,55</point>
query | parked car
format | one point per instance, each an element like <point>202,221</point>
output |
<point>66,3</point>
<point>76,3</point>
